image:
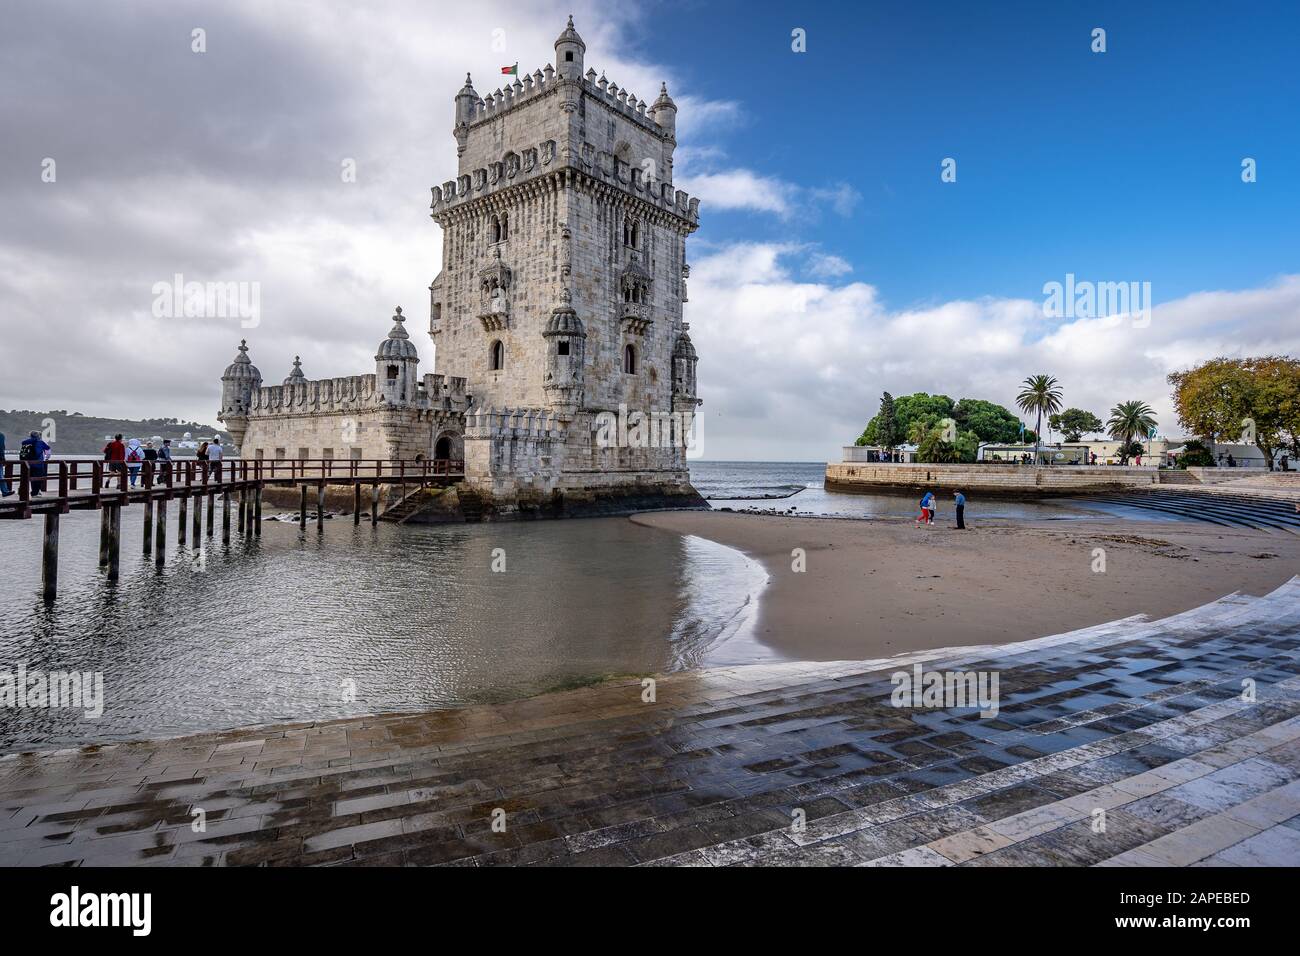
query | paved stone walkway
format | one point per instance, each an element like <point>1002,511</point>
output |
<point>1128,744</point>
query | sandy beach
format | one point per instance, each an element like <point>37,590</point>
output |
<point>882,586</point>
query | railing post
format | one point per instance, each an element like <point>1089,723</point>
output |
<point>63,486</point>
<point>24,482</point>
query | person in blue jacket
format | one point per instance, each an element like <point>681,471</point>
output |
<point>36,453</point>
<point>5,490</point>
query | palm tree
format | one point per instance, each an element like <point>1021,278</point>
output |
<point>1041,394</point>
<point>1128,419</point>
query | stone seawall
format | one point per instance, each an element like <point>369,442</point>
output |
<point>987,479</point>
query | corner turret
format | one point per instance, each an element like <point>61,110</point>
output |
<point>396,363</point>
<point>238,383</point>
<point>566,350</point>
<point>569,50</point>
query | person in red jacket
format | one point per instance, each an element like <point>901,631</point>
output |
<point>115,455</point>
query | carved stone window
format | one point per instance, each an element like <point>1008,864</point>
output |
<point>497,356</point>
<point>629,359</point>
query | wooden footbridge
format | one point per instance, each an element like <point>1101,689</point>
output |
<point>64,486</point>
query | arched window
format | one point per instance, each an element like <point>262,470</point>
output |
<point>494,229</point>
<point>636,235</point>
<point>392,373</point>
<point>505,227</point>
<point>497,356</point>
<point>629,359</point>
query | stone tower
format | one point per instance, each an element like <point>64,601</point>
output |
<point>238,383</point>
<point>564,262</point>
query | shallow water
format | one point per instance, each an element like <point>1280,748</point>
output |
<point>756,485</point>
<point>281,628</point>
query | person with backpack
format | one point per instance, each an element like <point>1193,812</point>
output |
<point>36,453</point>
<point>134,459</point>
<point>165,460</point>
<point>115,455</point>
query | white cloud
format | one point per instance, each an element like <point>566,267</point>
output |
<point>792,369</point>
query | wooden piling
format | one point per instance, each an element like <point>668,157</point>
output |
<point>50,557</point>
<point>225,517</point>
<point>148,527</point>
<point>114,542</point>
<point>243,510</point>
<point>374,505</point>
<point>257,510</point>
<point>356,503</point>
<point>320,506</point>
<point>183,512</point>
<point>103,536</point>
<point>160,541</point>
<point>302,506</point>
<point>198,518</point>
<point>212,505</point>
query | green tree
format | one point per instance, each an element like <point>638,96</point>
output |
<point>1248,400</point>
<point>1129,421</point>
<point>1074,423</point>
<point>930,409</point>
<point>1042,395</point>
<point>988,421</point>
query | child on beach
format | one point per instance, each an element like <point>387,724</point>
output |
<point>925,516</point>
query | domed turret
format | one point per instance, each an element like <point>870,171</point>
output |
<point>467,101</point>
<point>296,377</point>
<point>665,110</point>
<point>395,364</point>
<point>566,352</point>
<point>684,360</point>
<point>569,50</point>
<point>240,379</point>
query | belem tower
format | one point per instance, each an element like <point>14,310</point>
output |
<point>565,378</point>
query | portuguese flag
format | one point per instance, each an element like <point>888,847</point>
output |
<point>510,70</point>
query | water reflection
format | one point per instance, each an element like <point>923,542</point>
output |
<point>282,627</point>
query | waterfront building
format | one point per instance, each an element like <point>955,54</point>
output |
<point>559,304</point>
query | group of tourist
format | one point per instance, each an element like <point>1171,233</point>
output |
<point>930,508</point>
<point>120,456</point>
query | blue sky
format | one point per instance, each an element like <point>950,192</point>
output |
<point>831,263</point>
<point>1124,164</point>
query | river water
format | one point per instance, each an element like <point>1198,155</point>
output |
<point>306,625</point>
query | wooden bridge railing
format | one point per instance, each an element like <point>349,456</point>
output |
<point>117,479</point>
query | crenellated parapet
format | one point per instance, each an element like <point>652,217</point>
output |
<point>350,393</point>
<point>598,170</point>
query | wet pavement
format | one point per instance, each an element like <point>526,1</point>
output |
<point>1134,743</point>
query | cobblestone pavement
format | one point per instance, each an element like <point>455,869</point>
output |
<point>1127,744</point>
